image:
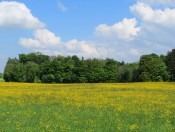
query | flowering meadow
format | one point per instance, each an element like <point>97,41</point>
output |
<point>87,107</point>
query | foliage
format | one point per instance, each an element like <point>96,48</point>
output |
<point>128,72</point>
<point>152,68</point>
<point>48,78</point>
<point>9,72</point>
<point>111,70</point>
<point>170,62</point>
<point>35,67</point>
<point>31,71</point>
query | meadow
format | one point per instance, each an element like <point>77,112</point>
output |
<point>87,107</point>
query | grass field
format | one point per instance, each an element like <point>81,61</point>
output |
<point>87,107</point>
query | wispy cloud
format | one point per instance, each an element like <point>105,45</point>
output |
<point>61,6</point>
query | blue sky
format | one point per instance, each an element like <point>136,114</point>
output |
<point>119,29</point>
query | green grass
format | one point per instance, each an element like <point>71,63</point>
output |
<point>55,117</point>
<point>87,107</point>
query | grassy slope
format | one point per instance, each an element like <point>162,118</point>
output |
<point>92,107</point>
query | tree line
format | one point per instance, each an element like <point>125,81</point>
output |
<point>39,68</point>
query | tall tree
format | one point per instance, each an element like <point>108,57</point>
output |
<point>170,62</point>
<point>31,71</point>
<point>152,68</point>
<point>19,72</point>
<point>9,70</point>
<point>128,72</point>
<point>111,70</point>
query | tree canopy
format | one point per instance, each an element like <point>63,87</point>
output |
<point>152,68</point>
<point>170,62</point>
<point>36,67</point>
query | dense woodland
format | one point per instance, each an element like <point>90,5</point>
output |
<point>36,67</point>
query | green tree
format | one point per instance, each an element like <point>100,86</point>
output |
<point>92,71</point>
<point>23,58</point>
<point>68,68</point>
<point>111,70</point>
<point>35,67</point>
<point>170,62</point>
<point>31,71</point>
<point>128,72</point>
<point>48,78</point>
<point>37,58</point>
<point>9,70</point>
<point>19,72</point>
<point>152,68</point>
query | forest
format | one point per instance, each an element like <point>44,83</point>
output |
<point>39,68</point>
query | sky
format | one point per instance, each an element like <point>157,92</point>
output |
<point>119,29</point>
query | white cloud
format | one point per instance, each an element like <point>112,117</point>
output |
<point>125,30</point>
<point>147,14</point>
<point>158,28</point>
<point>47,42</point>
<point>61,6</point>
<point>29,43</point>
<point>46,37</point>
<point>159,2</point>
<point>17,15</point>
<point>83,48</point>
<point>42,39</point>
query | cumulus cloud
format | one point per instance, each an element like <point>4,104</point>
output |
<point>17,15</point>
<point>47,42</point>
<point>146,13</point>
<point>83,48</point>
<point>61,6</point>
<point>43,38</point>
<point>158,28</point>
<point>125,30</point>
